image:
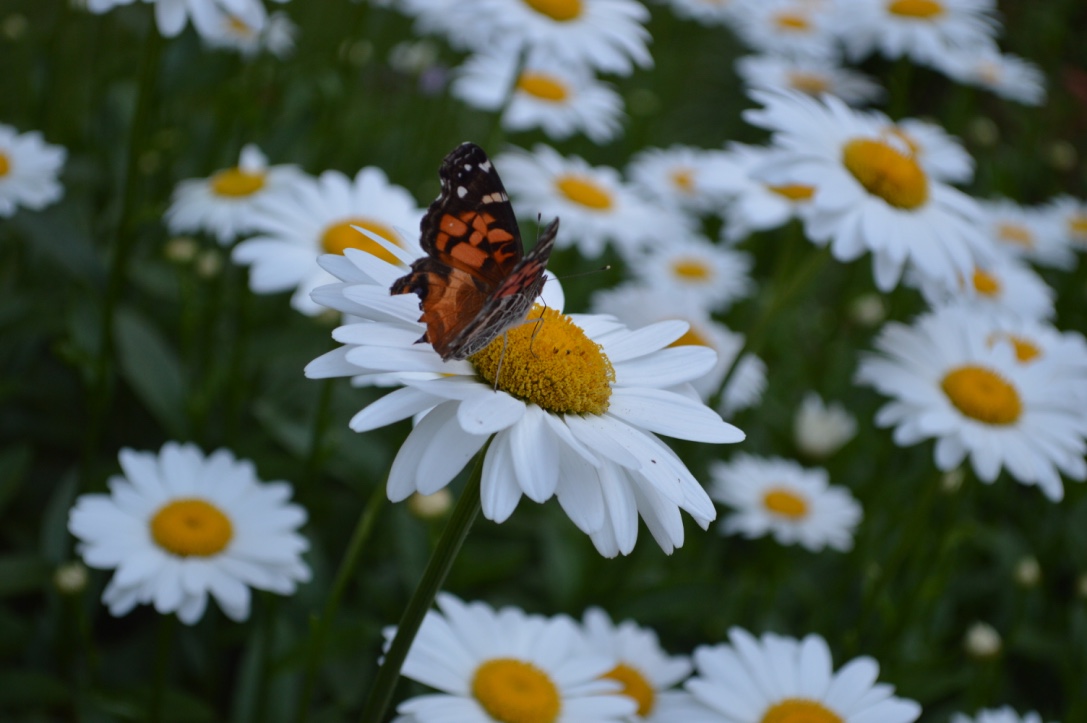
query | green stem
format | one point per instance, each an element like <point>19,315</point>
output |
<point>456,530</point>
<point>363,528</point>
<point>321,421</point>
<point>163,648</point>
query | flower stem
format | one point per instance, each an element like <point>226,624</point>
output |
<point>456,530</point>
<point>163,649</point>
<point>319,627</point>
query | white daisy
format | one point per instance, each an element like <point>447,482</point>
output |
<point>707,12</point>
<point>779,497</point>
<point>1006,75</point>
<point>594,203</point>
<point>811,75</point>
<point>694,179</point>
<point>558,97</point>
<point>871,194</point>
<point>252,32</point>
<point>171,15</point>
<point>796,28</point>
<point>179,525</point>
<point>1028,233</point>
<point>758,205</point>
<point>821,429</point>
<point>997,715</point>
<point>504,665</point>
<point>949,381</point>
<point>1032,341</point>
<point>939,153</point>
<point>775,678</point>
<point>636,305</point>
<point>644,669</point>
<point>1003,287</point>
<point>225,205</point>
<point>28,171</point>
<point>1069,217</point>
<point>574,413</point>
<point>709,276</point>
<point>922,30</point>
<point>314,216</point>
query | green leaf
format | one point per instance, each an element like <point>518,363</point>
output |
<point>152,369</point>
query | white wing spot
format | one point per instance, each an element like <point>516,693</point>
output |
<point>485,166</point>
<point>461,191</point>
<point>467,166</point>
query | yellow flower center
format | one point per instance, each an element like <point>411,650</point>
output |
<point>513,691</point>
<point>561,10</point>
<point>584,191</point>
<point>794,192</point>
<point>542,86</point>
<point>886,172</point>
<point>691,338</point>
<point>986,284</point>
<point>634,686</point>
<point>798,710</point>
<point>916,8</point>
<point>1077,225</point>
<point>5,165</point>
<point>810,83</point>
<point>1026,351</point>
<point>683,178</point>
<point>786,503</point>
<point>238,27</point>
<point>692,270</point>
<point>551,363</point>
<point>792,21</point>
<point>341,236</point>
<point>982,394</point>
<point>191,527</point>
<point>235,183</point>
<point>1016,234</point>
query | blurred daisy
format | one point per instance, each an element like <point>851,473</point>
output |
<point>171,15</point>
<point>922,30</point>
<point>28,171</point>
<point>1069,217</point>
<point>711,277</point>
<point>636,305</point>
<point>775,678</point>
<point>707,12</point>
<point>795,28</point>
<point>821,429</point>
<point>694,179</point>
<point>642,667</point>
<point>1005,286</point>
<point>779,497</point>
<point>813,76</point>
<point>1028,233</point>
<point>315,216</point>
<point>1006,75</point>
<point>594,203</point>
<point>997,715</point>
<point>870,191</point>
<point>504,665</point>
<point>758,205</point>
<point>251,33</point>
<point>179,525</point>
<point>938,152</point>
<point>225,205</point>
<point>949,381</point>
<point>1032,341</point>
<point>574,413</point>
<point>558,97</point>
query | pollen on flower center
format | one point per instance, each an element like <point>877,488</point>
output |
<point>799,710</point>
<point>1077,225</point>
<point>235,182</point>
<point>695,270</point>
<point>5,165</point>
<point>986,284</point>
<point>786,503</point>
<point>561,10</point>
<point>810,83</point>
<point>916,8</point>
<point>239,27</point>
<point>1026,351</point>
<point>634,686</point>
<point>584,191</point>
<point>341,236</point>
<point>683,178</point>
<point>542,86</point>
<point>513,691</point>
<point>792,21</point>
<point>191,527</point>
<point>794,192</point>
<point>550,362</point>
<point>1016,234</point>
<point>982,394</point>
<point>886,172</point>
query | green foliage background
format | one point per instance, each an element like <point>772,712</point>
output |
<point>105,342</point>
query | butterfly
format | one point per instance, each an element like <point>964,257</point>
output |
<point>476,281</point>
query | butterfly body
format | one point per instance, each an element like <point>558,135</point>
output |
<point>476,280</point>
